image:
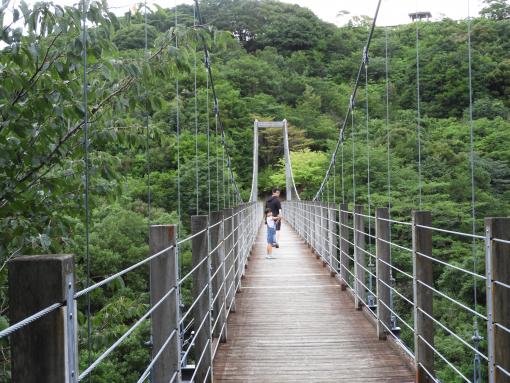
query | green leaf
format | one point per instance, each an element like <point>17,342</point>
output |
<point>4,323</point>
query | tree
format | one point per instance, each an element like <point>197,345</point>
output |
<point>496,9</point>
<point>133,36</point>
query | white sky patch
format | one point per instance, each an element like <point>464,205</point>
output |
<point>392,12</point>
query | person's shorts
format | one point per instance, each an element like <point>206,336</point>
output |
<point>278,225</point>
<point>271,235</point>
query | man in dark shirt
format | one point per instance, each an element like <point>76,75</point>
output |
<point>275,205</point>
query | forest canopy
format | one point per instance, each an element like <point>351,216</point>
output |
<point>152,134</point>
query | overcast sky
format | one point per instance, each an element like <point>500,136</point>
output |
<point>392,11</point>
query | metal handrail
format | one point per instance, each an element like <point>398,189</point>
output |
<point>451,332</point>
<point>501,240</point>
<point>32,318</point>
<point>460,304</point>
<point>120,273</point>
<point>100,358</point>
<point>156,357</point>
<point>452,266</point>
<point>450,232</point>
<point>324,242</point>
<point>444,358</point>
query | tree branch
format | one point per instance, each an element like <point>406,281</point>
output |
<point>31,172</point>
<point>33,79</point>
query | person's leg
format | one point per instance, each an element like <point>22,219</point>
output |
<point>269,247</point>
<point>278,227</point>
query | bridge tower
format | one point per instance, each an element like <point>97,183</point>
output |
<point>286,154</point>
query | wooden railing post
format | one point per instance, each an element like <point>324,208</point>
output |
<point>229,259</point>
<point>498,297</point>
<point>165,319</point>
<point>344,244</point>
<point>423,297</point>
<point>201,281</point>
<point>359,257</point>
<point>218,267</point>
<point>39,352</point>
<point>333,238</point>
<point>382,233</point>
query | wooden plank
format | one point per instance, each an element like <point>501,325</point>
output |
<point>294,324</point>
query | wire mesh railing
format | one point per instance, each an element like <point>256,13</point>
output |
<point>184,335</point>
<point>396,271</point>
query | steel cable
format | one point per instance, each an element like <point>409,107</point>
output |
<point>87,175</point>
<point>350,108</point>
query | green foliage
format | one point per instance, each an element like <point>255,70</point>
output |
<point>133,36</point>
<point>496,9</point>
<point>282,62</point>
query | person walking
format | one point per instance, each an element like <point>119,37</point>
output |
<point>275,205</point>
<point>271,232</point>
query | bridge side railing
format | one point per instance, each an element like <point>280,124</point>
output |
<point>394,280</point>
<point>44,345</point>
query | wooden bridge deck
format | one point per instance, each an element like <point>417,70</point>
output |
<point>293,324</point>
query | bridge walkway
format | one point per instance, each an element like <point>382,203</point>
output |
<point>294,324</point>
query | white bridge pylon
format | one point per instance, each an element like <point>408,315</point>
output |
<point>290,186</point>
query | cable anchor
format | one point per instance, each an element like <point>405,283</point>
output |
<point>477,371</point>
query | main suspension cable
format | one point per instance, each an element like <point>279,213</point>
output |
<point>349,109</point>
<point>217,111</point>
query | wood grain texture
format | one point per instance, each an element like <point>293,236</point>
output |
<point>294,324</point>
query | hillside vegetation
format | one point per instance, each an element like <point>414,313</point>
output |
<point>270,61</point>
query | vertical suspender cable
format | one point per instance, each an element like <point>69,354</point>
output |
<point>208,136</point>
<point>370,299</point>
<point>178,133</point>
<point>87,176</point>
<point>343,184</point>
<point>217,157</point>
<point>368,142</point>
<point>388,138</point>
<point>418,111</point>
<point>223,171</point>
<point>353,156</point>
<point>196,109</point>
<point>147,131</point>
<point>147,149</point>
<point>178,139</point>
<point>388,141</point>
<point>477,377</point>
<point>327,190</point>
<point>334,182</point>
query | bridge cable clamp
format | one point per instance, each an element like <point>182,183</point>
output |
<point>365,56</point>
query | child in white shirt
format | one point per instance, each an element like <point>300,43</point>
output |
<point>271,232</point>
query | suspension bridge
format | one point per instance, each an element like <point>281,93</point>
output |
<point>333,306</point>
